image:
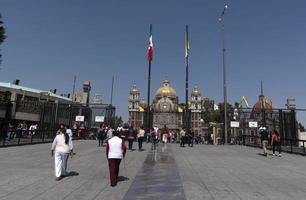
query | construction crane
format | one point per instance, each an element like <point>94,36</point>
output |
<point>245,101</point>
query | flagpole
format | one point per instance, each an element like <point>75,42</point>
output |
<point>187,125</point>
<point>149,84</point>
<point>221,19</point>
<point>148,100</point>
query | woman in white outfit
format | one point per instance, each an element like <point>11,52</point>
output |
<point>61,148</point>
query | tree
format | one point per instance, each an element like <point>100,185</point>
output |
<point>301,127</point>
<point>114,121</point>
<point>2,33</point>
<point>229,110</point>
<point>213,116</point>
<point>217,116</point>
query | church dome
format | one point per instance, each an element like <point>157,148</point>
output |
<point>263,103</point>
<point>165,90</point>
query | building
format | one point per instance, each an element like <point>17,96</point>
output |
<point>166,109</point>
<point>24,102</point>
<point>48,109</point>
<point>136,109</point>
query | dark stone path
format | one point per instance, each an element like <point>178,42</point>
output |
<point>158,179</point>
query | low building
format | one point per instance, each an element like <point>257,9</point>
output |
<point>20,103</point>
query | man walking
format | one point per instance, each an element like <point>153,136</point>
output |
<point>264,139</point>
<point>183,135</point>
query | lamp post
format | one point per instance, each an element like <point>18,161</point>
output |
<point>221,19</point>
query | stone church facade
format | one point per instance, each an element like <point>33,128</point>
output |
<point>166,109</point>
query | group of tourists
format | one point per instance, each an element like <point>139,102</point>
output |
<point>274,139</point>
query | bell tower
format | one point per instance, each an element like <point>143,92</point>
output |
<point>134,99</point>
<point>135,111</point>
<point>196,105</point>
<point>195,109</point>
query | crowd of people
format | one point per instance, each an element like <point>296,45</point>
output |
<point>19,130</point>
<point>115,139</point>
<point>154,135</point>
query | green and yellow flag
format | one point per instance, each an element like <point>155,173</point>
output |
<point>187,46</point>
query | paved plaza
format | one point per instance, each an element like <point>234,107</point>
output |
<point>169,172</point>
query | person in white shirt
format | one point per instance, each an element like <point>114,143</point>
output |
<point>109,133</point>
<point>70,133</point>
<point>183,137</point>
<point>61,148</point>
<point>140,137</point>
<point>32,129</point>
<point>115,151</point>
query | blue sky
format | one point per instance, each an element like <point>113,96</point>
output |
<point>51,41</point>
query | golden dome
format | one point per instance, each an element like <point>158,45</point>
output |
<point>165,90</point>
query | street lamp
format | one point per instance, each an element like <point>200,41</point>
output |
<point>221,20</point>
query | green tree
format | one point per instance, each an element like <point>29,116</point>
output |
<point>212,116</point>
<point>2,33</point>
<point>301,127</point>
<point>229,109</point>
<point>217,116</point>
<point>114,121</point>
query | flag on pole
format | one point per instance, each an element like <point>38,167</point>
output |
<point>150,48</point>
<point>187,46</point>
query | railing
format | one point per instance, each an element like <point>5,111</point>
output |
<point>16,138</point>
<point>287,145</point>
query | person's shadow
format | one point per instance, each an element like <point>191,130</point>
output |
<point>72,173</point>
<point>122,178</point>
<point>261,154</point>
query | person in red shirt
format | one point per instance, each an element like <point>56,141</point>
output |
<point>275,142</point>
<point>115,152</point>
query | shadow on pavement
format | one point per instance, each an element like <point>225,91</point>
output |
<point>72,173</point>
<point>122,178</point>
<point>261,154</point>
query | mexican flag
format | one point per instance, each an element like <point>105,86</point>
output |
<point>150,48</point>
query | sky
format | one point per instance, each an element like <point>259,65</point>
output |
<point>51,41</point>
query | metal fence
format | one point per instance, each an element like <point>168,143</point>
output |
<point>286,121</point>
<point>295,146</point>
<point>16,117</point>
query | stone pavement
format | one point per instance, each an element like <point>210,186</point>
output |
<point>27,172</point>
<point>170,172</point>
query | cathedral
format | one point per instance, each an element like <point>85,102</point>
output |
<point>166,109</point>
